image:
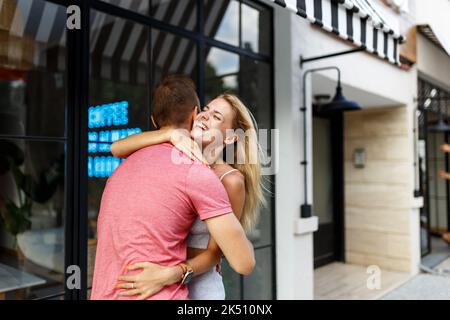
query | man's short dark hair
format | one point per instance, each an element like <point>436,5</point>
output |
<point>173,100</point>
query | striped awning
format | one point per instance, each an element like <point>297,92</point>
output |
<point>34,32</point>
<point>354,20</point>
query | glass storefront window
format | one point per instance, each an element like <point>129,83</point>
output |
<point>32,218</point>
<point>139,6</point>
<point>222,69</point>
<point>127,60</point>
<point>182,14</point>
<point>171,54</point>
<point>222,20</point>
<point>32,149</point>
<point>258,286</point>
<point>255,39</point>
<point>231,281</point>
<point>242,24</point>
<point>32,65</point>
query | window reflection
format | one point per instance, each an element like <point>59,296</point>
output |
<point>172,54</point>
<point>254,288</point>
<point>250,19</point>
<point>255,25</point>
<point>222,20</point>
<point>182,14</point>
<point>140,6</point>
<point>32,64</point>
<point>231,282</point>
<point>32,103</point>
<point>32,218</point>
<point>222,70</point>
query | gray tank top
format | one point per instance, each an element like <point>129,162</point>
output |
<point>209,285</point>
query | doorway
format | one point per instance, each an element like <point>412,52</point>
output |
<point>435,214</point>
<point>328,188</point>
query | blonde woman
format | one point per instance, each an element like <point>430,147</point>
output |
<point>241,177</point>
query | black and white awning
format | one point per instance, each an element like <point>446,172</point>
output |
<point>354,20</point>
<point>35,33</point>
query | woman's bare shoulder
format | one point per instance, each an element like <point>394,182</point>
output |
<point>224,169</point>
<point>234,180</point>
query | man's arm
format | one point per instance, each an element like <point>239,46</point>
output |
<point>210,200</point>
<point>235,188</point>
<point>444,175</point>
<point>231,239</point>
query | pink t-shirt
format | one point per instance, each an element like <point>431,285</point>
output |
<point>146,212</point>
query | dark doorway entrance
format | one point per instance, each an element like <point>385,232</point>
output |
<point>328,188</point>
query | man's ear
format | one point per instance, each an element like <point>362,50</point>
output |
<point>154,122</point>
<point>193,115</point>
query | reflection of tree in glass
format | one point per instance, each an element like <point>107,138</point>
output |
<point>215,84</point>
<point>29,189</point>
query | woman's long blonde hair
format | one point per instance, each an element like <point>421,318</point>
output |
<point>246,159</point>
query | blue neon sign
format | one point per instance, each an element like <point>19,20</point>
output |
<point>106,115</point>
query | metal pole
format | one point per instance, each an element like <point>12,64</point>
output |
<point>306,210</point>
<point>331,55</point>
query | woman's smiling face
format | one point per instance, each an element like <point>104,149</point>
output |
<point>216,116</point>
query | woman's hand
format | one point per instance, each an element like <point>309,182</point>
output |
<point>181,139</point>
<point>124,147</point>
<point>149,281</point>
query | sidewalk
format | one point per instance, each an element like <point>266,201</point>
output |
<point>340,281</point>
<point>425,286</point>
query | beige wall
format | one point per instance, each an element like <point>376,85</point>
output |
<point>432,62</point>
<point>378,197</point>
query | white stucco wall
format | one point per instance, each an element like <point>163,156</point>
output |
<point>294,252</point>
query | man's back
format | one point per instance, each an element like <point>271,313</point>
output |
<point>146,213</point>
<point>147,209</point>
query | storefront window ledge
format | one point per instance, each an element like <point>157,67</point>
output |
<point>306,225</point>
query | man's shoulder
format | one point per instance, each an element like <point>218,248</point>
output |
<point>156,147</point>
<point>201,172</point>
<point>155,151</point>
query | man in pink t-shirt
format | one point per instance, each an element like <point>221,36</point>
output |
<point>150,203</point>
<point>147,209</point>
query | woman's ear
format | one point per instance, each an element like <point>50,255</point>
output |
<point>231,139</point>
